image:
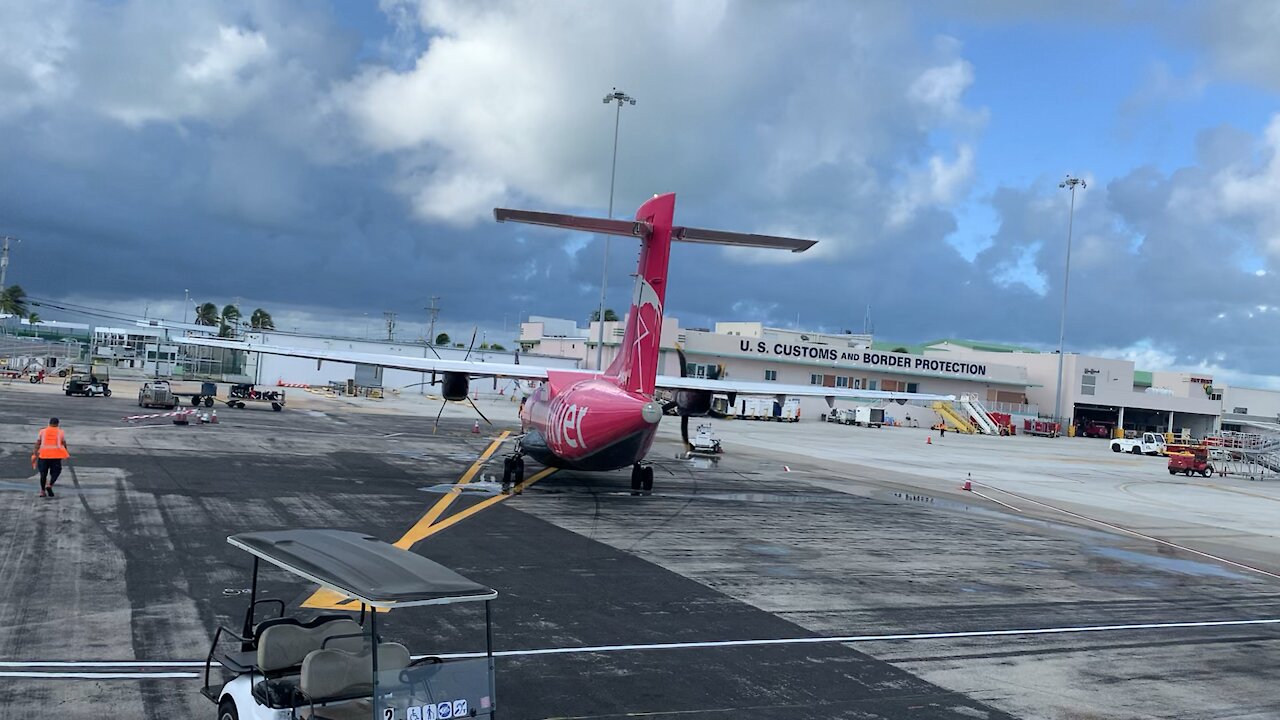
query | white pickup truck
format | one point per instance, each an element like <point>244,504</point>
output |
<point>1148,444</point>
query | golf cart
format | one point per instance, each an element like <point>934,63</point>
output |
<point>86,385</point>
<point>323,667</point>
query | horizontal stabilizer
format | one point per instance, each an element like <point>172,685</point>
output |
<point>625,228</point>
<point>637,228</point>
<point>724,237</point>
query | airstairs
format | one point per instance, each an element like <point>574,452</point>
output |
<point>985,423</point>
<point>953,417</point>
<point>1254,456</point>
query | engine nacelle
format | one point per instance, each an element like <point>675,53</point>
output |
<point>694,403</point>
<point>454,386</point>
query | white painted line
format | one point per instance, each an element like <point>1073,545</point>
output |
<point>1135,533</point>
<point>898,637</point>
<point>391,435</point>
<point>101,675</point>
<point>988,497</point>
<point>100,664</point>
<point>869,638</point>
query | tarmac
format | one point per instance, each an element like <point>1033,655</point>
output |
<point>1072,584</point>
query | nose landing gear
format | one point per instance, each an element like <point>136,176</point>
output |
<point>512,473</point>
<point>641,478</point>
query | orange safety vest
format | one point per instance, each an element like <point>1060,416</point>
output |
<point>53,444</point>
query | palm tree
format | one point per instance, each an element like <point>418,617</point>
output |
<point>261,320</point>
<point>230,316</point>
<point>33,318</point>
<point>13,300</point>
<point>207,314</point>
<point>609,315</point>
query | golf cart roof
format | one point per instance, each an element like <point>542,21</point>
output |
<point>362,567</point>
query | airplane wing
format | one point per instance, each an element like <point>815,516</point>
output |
<point>669,382</point>
<point>399,362</point>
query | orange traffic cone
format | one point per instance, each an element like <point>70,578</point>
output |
<point>928,440</point>
<point>476,428</point>
<point>968,483</point>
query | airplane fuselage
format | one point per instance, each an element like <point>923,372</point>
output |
<point>584,421</point>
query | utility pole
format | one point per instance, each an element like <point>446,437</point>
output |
<point>619,98</point>
<point>186,302</point>
<point>4,261</point>
<point>433,312</point>
<point>1070,183</point>
<point>391,324</point>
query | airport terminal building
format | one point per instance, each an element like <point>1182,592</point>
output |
<point>1015,380</point>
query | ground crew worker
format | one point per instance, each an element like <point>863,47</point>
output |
<point>50,450</point>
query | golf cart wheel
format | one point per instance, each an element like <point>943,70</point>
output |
<point>1115,447</point>
<point>208,402</point>
<point>227,710</point>
<point>32,379</point>
<point>195,400</point>
<point>1208,471</point>
<point>277,407</point>
<point>106,393</point>
<point>1137,450</point>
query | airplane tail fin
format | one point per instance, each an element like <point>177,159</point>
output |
<point>636,365</point>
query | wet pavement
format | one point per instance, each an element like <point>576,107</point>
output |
<point>130,563</point>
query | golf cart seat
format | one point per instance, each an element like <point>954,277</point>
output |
<point>333,674</point>
<point>283,646</point>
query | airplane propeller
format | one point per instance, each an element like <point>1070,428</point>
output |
<point>436,425</point>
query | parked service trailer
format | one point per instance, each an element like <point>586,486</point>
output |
<point>241,393</point>
<point>868,416</point>
<point>758,408</point>
<point>207,395</point>
<point>1043,428</point>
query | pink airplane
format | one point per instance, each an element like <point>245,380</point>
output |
<point>587,420</point>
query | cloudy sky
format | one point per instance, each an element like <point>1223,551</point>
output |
<point>329,161</point>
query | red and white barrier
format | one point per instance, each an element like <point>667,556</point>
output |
<point>281,383</point>
<point>175,413</point>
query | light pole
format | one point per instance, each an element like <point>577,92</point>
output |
<point>1070,183</point>
<point>186,302</point>
<point>4,257</point>
<point>619,97</point>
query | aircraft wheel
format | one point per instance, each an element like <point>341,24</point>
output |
<point>227,710</point>
<point>647,478</point>
<point>208,402</point>
<point>277,406</point>
<point>637,479</point>
<point>517,472</point>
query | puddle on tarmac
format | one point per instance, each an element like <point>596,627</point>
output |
<point>482,487</point>
<point>1174,565</point>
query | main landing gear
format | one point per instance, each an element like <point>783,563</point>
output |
<point>641,478</point>
<point>512,473</point>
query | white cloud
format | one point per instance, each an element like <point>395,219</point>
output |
<point>37,39</point>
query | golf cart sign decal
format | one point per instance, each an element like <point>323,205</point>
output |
<point>439,711</point>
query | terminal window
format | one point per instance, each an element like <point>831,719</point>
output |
<point>842,381</point>
<point>770,374</point>
<point>815,379</point>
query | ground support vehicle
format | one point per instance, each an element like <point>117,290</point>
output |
<point>338,666</point>
<point>1191,463</point>
<point>842,416</point>
<point>241,393</point>
<point>207,395</point>
<point>1148,444</point>
<point>157,393</point>
<point>86,385</point>
<point>704,441</point>
<point>868,416</point>
<point>1095,429</point>
<point>1043,428</point>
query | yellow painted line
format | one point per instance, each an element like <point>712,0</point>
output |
<point>463,515</point>
<point>330,600</point>
<point>419,530</point>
